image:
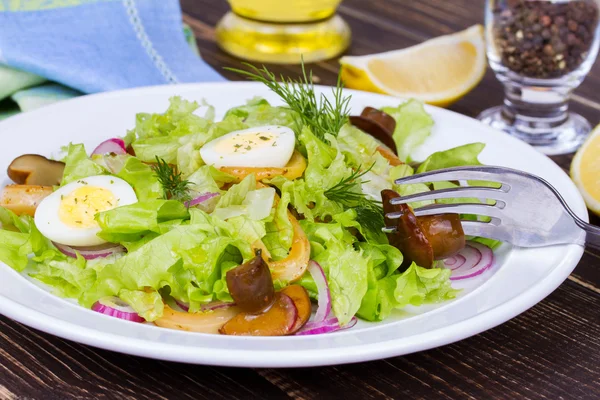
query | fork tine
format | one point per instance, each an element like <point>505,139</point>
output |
<point>479,173</point>
<point>485,229</point>
<point>479,192</point>
<point>486,210</point>
<point>459,208</point>
<point>474,228</point>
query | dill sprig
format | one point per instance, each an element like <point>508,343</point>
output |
<point>347,192</point>
<point>173,185</point>
<point>322,115</point>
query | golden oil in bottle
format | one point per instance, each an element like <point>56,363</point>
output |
<point>279,31</point>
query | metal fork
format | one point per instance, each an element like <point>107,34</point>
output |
<point>527,211</point>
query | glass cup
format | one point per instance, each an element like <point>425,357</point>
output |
<point>283,32</point>
<point>541,50</point>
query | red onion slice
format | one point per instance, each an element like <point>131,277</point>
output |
<point>477,259</point>
<point>350,324</point>
<point>183,305</point>
<point>91,253</point>
<point>115,307</point>
<point>114,145</point>
<point>324,299</point>
<point>200,199</point>
<point>327,326</point>
<point>454,262</point>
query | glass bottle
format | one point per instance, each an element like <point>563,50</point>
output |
<point>283,32</point>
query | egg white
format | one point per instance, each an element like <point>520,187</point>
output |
<point>47,214</point>
<point>274,152</point>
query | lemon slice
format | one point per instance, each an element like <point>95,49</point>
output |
<point>585,171</point>
<point>438,71</point>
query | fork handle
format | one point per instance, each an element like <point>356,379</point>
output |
<point>592,234</point>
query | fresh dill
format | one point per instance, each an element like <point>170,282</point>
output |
<point>348,192</point>
<point>173,185</point>
<point>322,115</point>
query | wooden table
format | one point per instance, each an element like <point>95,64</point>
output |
<point>551,351</point>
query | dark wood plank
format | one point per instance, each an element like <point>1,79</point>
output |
<point>551,351</point>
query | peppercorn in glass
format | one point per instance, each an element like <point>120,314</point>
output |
<point>541,51</point>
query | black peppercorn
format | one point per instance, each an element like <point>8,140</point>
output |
<point>543,38</point>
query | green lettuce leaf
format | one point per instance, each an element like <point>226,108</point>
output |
<point>413,126</point>
<point>455,157</point>
<point>279,230</point>
<point>149,305</point>
<point>78,165</point>
<point>130,223</point>
<point>142,178</point>
<point>258,112</point>
<point>415,286</point>
<point>148,266</point>
<point>326,167</point>
<point>345,267</point>
<point>237,193</point>
<point>189,259</point>
<point>68,277</point>
<point>19,237</point>
<point>164,147</point>
<point>178,120</point>
<point>358,146</point>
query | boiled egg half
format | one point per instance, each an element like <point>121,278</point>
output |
<point>264,146</point>
<point>67,216</point>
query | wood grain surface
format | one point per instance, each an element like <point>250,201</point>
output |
<point>552,351</point>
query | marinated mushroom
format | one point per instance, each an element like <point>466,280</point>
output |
<point>380,117</point>
<point>33,169</point>
<point>278,320</point>
<point>423,239</point>
<point>302,302</point>
<point>377,124</point>
<point>409,238</point>
<point>445,234</point>
<point>251,285</point>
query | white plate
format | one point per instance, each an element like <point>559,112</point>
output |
<point>520,278</point>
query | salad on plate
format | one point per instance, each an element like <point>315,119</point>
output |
<point>269,222</point>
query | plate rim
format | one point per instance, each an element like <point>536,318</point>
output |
<point>251,358</point>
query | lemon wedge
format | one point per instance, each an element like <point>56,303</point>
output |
<point>438,71</point>
<point>585,171</point>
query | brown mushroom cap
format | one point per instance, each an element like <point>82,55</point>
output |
<point>409,238</point>
<point>377,124</point>
<point>445,234</point>
<point>423,239</point>
<point>382,118</point>
<point>251,285</point>
<point>33,169</point>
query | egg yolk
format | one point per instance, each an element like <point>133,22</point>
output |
<point>78,208</point>
<point>245,142</point>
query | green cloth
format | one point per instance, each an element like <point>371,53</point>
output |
<point>21,91</point>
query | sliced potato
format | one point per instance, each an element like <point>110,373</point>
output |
<point>291,268</point>
<point>389,155</point>
<point>204,322</point>
<point>23,199</point>
<point>33,169</point>
<point>294,169</point>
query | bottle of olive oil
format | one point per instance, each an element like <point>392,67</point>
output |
<point>283,31</point>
